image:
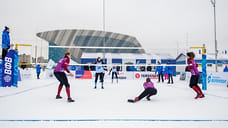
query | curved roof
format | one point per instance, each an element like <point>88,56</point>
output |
<point>91,38</point>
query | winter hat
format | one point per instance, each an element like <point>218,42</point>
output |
<point>6,28</point>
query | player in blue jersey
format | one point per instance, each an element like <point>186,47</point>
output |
<point>114,71</point>
<point>100,70</point>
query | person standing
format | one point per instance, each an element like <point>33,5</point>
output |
<point>192,67</point>
<point>170,73</point>
<point>149,91</point>
<point>166,73</point>
<point>225,69</point>
<point>159,70</point>
<point>114,72</point>
<point>99,72</point>
<point>38,70</point>
<point>61,76</point>
<point>5,41</point>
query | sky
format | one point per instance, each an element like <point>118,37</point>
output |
<point>159,25</point>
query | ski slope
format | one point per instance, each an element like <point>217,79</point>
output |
<point>35,100</point>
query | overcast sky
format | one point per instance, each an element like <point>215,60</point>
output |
<point>157,24</point>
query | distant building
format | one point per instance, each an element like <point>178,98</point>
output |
<point>88,38</point>
<point>23,58</point>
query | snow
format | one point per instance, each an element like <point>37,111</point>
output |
<point>35,100</point>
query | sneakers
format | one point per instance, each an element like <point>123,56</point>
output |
<point>199,96</point>
<point>96,87</point>
<point>70,100</point>
<point>58,97</point>
<point>202,96</point>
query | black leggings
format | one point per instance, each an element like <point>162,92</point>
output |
<point>160,75</point>
<point>101,77</point>
<point>114,73</point>
<point>61,76</point>
<point>4,52</point>
<point>147,92</point>
<point>170,77</point>
<point>194,81</point>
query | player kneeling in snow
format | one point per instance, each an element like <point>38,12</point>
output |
<point>149,91</point>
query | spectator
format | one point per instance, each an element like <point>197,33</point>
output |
<point>159,70</point>
<point>225,69</point>
<point>5,42</point>
<point>170,73</point>
<point>38,70</point>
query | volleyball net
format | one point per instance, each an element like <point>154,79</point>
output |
<point>85,57</point>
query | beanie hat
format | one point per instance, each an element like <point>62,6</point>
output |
<point>6,27</point>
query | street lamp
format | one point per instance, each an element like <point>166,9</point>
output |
<point>104,29</point>
<point>216,49</point>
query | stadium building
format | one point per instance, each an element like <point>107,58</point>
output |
<point>87,38</point>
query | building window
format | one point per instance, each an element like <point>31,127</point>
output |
<point>209,65</point>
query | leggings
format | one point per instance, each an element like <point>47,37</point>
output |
<point>114,73</point>
<point>147,92</point>
<point>101,77</point>
<point>61,76</point>
<point>160,75</point>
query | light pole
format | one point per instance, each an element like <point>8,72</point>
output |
<point>104,29</point>
<point>216,49</point>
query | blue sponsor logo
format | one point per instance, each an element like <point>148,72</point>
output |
<point>209,79</point>
<point>215,79</point>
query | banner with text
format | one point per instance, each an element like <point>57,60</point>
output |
<point>217,78</point>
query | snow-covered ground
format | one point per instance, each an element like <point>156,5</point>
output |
<point>35,100</point>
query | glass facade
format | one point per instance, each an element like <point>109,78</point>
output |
<point>97,41</point>
<point>57,53</point>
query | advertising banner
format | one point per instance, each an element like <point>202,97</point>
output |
<point>10,69</point>
<point>144,75</point>
<point>26,74</point>
<point>217,79</point>
<point>81,74</point>
<point>121,76</point>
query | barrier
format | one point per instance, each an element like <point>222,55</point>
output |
<point>217,79</point>
<point>9,69</point>
<point>81,74</point>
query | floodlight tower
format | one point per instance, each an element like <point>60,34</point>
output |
<point>213,2</point>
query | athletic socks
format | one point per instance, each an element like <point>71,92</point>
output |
<point>198,91</point>
<point>68,92</point>
<point>102,85</point>
<point>59,90</point>
<point>95,85</point>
